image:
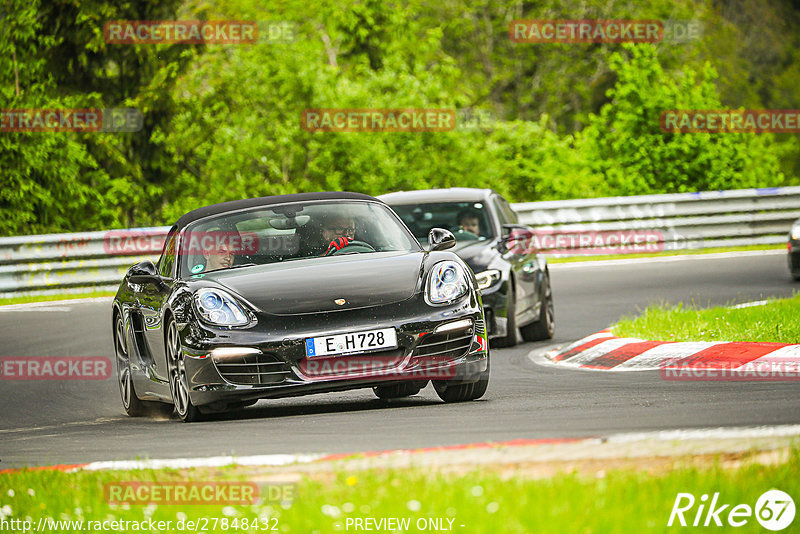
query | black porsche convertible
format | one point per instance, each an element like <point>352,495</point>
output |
<point>514,280</point>
<point>292,295</point>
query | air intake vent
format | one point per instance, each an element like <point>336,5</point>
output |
<point>253,369</point>
<point>443,347</point>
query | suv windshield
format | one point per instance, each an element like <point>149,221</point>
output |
<point>467,220</point>
<point>292,231</point>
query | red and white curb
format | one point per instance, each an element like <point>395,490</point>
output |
<point>604,351</point>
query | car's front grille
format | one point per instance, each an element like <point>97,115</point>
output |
<point>438,348</point>
<point>355,364</point>
<point>253,369</point>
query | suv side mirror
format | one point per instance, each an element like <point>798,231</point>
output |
<point>515,238</point>
<point>144,273</point>
<point>441,239</point>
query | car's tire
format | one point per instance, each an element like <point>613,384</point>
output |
<point>464,392</point>
<point>396,391</point>
<point>178,382</point>
<point>130,402</point>
<point>510,339</point>
<point>545,326</point>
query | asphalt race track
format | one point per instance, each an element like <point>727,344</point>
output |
<point>54,422</point>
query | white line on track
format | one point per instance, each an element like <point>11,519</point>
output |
<point>664,259</point>
<point>51,305</point>
<point>270,460</point>
<point>708,433</point>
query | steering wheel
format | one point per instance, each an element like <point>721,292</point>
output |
<point>353,247</point>
<point>464,235</point>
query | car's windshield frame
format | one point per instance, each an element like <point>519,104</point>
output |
<point>183,272</point>
<point>490,232</point>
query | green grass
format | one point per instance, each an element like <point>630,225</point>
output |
<point>665,253</point>
<point>777,321</point>
<point>60,296</point>
<point>621,500</point>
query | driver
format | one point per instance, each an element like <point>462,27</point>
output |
<point>219,256</point>
<point>338,231</point>
<point>469,221</point>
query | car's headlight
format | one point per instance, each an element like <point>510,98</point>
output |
<point>796,231</point>
<point>448,281</point>
<point>218,307</point>
<point>487,279</point>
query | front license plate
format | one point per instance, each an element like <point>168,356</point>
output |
<point>369,340</point>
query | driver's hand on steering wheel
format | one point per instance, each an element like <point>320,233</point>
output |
<point>337,244</point>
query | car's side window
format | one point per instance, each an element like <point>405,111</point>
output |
<point>167,259</point>
<point>502,216</point>
<point>508,212</point>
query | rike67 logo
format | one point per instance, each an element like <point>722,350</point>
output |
<point>774,510</point>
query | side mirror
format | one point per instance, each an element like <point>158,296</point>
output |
<point>144,273</point>
<point>441,239</point>
<point>515,239</point>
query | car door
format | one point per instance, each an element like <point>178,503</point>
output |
<point>152,302</point>
<point>524,264</point>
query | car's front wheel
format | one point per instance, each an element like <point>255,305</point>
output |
<point>545,326</point>
<point>463,392</point>
<point>178,381</point>
<point>510,339</point>
<point>133,406</point>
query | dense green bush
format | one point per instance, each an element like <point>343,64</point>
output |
<point>223,122</point>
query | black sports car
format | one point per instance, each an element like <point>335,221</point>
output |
<point>296,294</point>
<point>514,280</point>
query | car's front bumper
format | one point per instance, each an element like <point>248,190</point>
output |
<point>495,305</point>
<point>794,257</point>
<point>276,364</point>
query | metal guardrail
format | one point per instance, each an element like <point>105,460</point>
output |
<point>686,220</point>
<point>81,262</point>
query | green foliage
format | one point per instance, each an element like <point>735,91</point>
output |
<point>223,121</point>
<point>45,177</point>
<point>626,145</point>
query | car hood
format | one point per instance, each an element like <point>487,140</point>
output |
<point>313,285</point>
<point>477,254</point>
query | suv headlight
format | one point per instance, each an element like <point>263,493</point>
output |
<point>219,308</point>
<point>448,281</point>
<point>487,279</point>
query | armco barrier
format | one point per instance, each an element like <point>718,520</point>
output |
<point>79,262</point>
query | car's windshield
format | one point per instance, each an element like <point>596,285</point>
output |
<point>467,220</point>
<point>292,231</point>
